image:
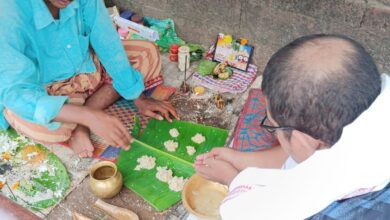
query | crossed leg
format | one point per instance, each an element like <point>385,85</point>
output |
<point>80,140</point>
<point>143,55</point>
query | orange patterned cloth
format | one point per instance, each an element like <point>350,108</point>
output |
<point>143,55</point>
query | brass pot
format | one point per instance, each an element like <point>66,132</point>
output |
<point>105,179</point>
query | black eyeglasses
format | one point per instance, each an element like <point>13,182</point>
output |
<point>272,129</point>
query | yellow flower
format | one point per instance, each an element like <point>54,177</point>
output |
<point>1,185</point>
<point>15,185</point>
<point>244,41</point>
<point>228,39</point>
<point>6,155</point>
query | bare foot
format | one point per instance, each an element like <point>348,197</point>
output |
<point>81,143</point>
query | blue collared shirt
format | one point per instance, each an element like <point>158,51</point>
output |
<point>37,50</point>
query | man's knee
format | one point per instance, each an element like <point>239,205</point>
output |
<point>38,132</point>
<point>141,45</point>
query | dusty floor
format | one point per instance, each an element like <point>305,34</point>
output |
<point>198,109</point>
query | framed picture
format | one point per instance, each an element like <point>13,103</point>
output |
<point>236,53</point>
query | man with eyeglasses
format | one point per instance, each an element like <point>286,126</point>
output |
<point>315,87</point>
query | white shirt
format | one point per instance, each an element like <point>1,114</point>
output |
<point>360,159</point>
<point>289,163</point>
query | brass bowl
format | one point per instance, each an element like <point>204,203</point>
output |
<point>202,197</point>
<point>105,180</point>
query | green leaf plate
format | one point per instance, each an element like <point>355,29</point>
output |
<point>151,143</point>
<point>58,182</point>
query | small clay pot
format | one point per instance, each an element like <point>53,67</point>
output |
<point>174,49</point>
<point>173,57</point>
<point>105,179</point>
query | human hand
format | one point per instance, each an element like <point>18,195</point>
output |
<point>109,128</point>
<point>150,107</point>
<point>217,170</point>
<point>220,153</point>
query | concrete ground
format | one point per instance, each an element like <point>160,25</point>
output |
<point>191,108</point>
<point>269,25</point>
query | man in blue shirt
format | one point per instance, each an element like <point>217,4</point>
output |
<point>61,64</point>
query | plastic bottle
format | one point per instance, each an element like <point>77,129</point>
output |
<point>184,53</point>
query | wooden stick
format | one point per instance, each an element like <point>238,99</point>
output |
<point>185,70</point>
<point>116,212</point>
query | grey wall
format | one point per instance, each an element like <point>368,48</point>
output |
<point>270,24</point>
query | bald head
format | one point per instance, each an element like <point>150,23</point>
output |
<point>322,56</point>
<point>320,83</point>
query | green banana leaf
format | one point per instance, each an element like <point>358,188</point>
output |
<point>136,128</point>
<point>157,132</point>
<point>144,182</point>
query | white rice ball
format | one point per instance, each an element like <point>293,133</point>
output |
<point>164,174</point>
<point>171,145</point>
<point>190,150</point>
<point>145,162</point>
<point>174,132</point>
<point>198,138</point>
<point>177,183</point>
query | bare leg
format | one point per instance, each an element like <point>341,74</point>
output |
<point>80,141</point>
<point>103,98</point>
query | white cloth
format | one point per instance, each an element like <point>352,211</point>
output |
<point>360,159</point>
<point>290,163</point>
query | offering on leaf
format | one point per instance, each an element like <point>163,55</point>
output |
<point>179,162</point>
<point>145,162</point>
<point>198,138</point>
<point>164,174</point>
<point>177,183</point>
<point>171,145</point>
<point>221,71</point>
<point>190,150</point>
<point>174,132</point>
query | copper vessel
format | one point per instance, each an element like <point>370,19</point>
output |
<point>105,179</point>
